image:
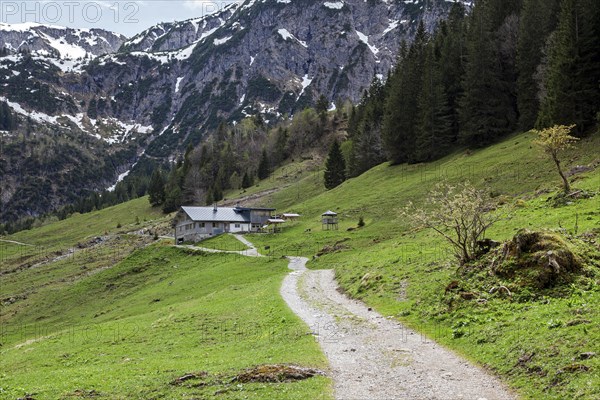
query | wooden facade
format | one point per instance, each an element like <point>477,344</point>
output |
<point>193,224</point>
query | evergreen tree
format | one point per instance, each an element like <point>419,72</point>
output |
<point>246,181</point>
<point>353,121</point>
<point>367,145</point>
<point>588,73</point>
<point>173,195</point>
<point>451,39</point>
<point>434,129</point>
<point>7,121</point>
<point>400,118</point>
<point>558,106</point>
<point>217,193</point>
<point>486,108</point>
<point>209,198</point>
<point>335,167</point>
<point>187,162</point>
<point>321,108</point>
<point>281,142</point>
<point>264,167</point>
<point>120,194</point>
<point>537,20</point>
<point>156,189</point>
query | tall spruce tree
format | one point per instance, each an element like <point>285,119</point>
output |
<point>281,145</point>
<point>321,108</point>
<point>558,106</point>
<point>335,167</point>
<point>486,108</point>
<point>7,121</point>
<point>264,166</point>
<point>173,195</point>
<point>246,181</point>
<point>588,71</point>
<point>367,146</point>
<point>434,125</point>
<point>451,39</point>
<point>156,189</point>
<point>537,20</point>
<point>400,120</point>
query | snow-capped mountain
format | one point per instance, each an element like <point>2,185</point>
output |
<point>57,41</point>
<point>174,82</point>
<point>177,35</point>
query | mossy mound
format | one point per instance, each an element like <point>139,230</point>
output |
<point>537,260</point>
<point>276,373</point>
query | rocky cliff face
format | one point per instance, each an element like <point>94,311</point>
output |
<point>57,41</point>
<point>172,83</point>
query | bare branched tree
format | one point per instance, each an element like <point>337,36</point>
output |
<point>461,214</point>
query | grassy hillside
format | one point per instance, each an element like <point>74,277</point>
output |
<point>126,325</point>
<point>224,243</point>
<point>404,272</point>
<point>91,307</point>
<point>79,228</point>
<point>131,330</point>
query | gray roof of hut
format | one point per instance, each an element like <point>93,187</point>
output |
<point>219,214</point>
<point>329,213</point>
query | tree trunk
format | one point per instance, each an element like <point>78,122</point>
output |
<point>566,184</point>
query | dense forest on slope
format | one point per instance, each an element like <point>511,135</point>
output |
<point>508,65</point>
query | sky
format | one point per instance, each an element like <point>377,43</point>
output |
<point>127,17</point>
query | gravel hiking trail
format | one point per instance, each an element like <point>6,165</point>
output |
<point>372,357</point>
<point>251,251</point>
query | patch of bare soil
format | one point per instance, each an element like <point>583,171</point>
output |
<point>277,373</point>
<point>334,248</point>
<point>86,394</point>
<point>188,377</point>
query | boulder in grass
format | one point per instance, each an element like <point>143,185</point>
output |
<point>538,260</point>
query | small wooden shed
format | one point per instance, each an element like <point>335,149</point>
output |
<point>274,225</point>
<point>329,220</point>
<point>290,216</point>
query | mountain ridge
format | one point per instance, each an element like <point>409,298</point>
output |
<point>59,42</point>
<point>173,83</point>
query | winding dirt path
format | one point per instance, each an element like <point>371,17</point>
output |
<point>372,357</point>
<point>18,243</point>
<point>251,251</point>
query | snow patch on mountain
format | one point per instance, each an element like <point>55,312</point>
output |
<point>306,81</point>
<point>121,131</point>
<point>178,83</point>
<point>217,42</point>
<point>58,41</point>
<point>393,25</point>
<point>285,34</point>
<point>338,5</point>
<point>365,39</point>
<point>119,179</point>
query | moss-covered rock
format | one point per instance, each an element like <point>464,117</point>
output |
<point>538,260</point>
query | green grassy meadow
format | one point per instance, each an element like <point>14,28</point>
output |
<point>134,319</point>
<point>127,332</point>
<point>223,242</point>
<point>61,235</point>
